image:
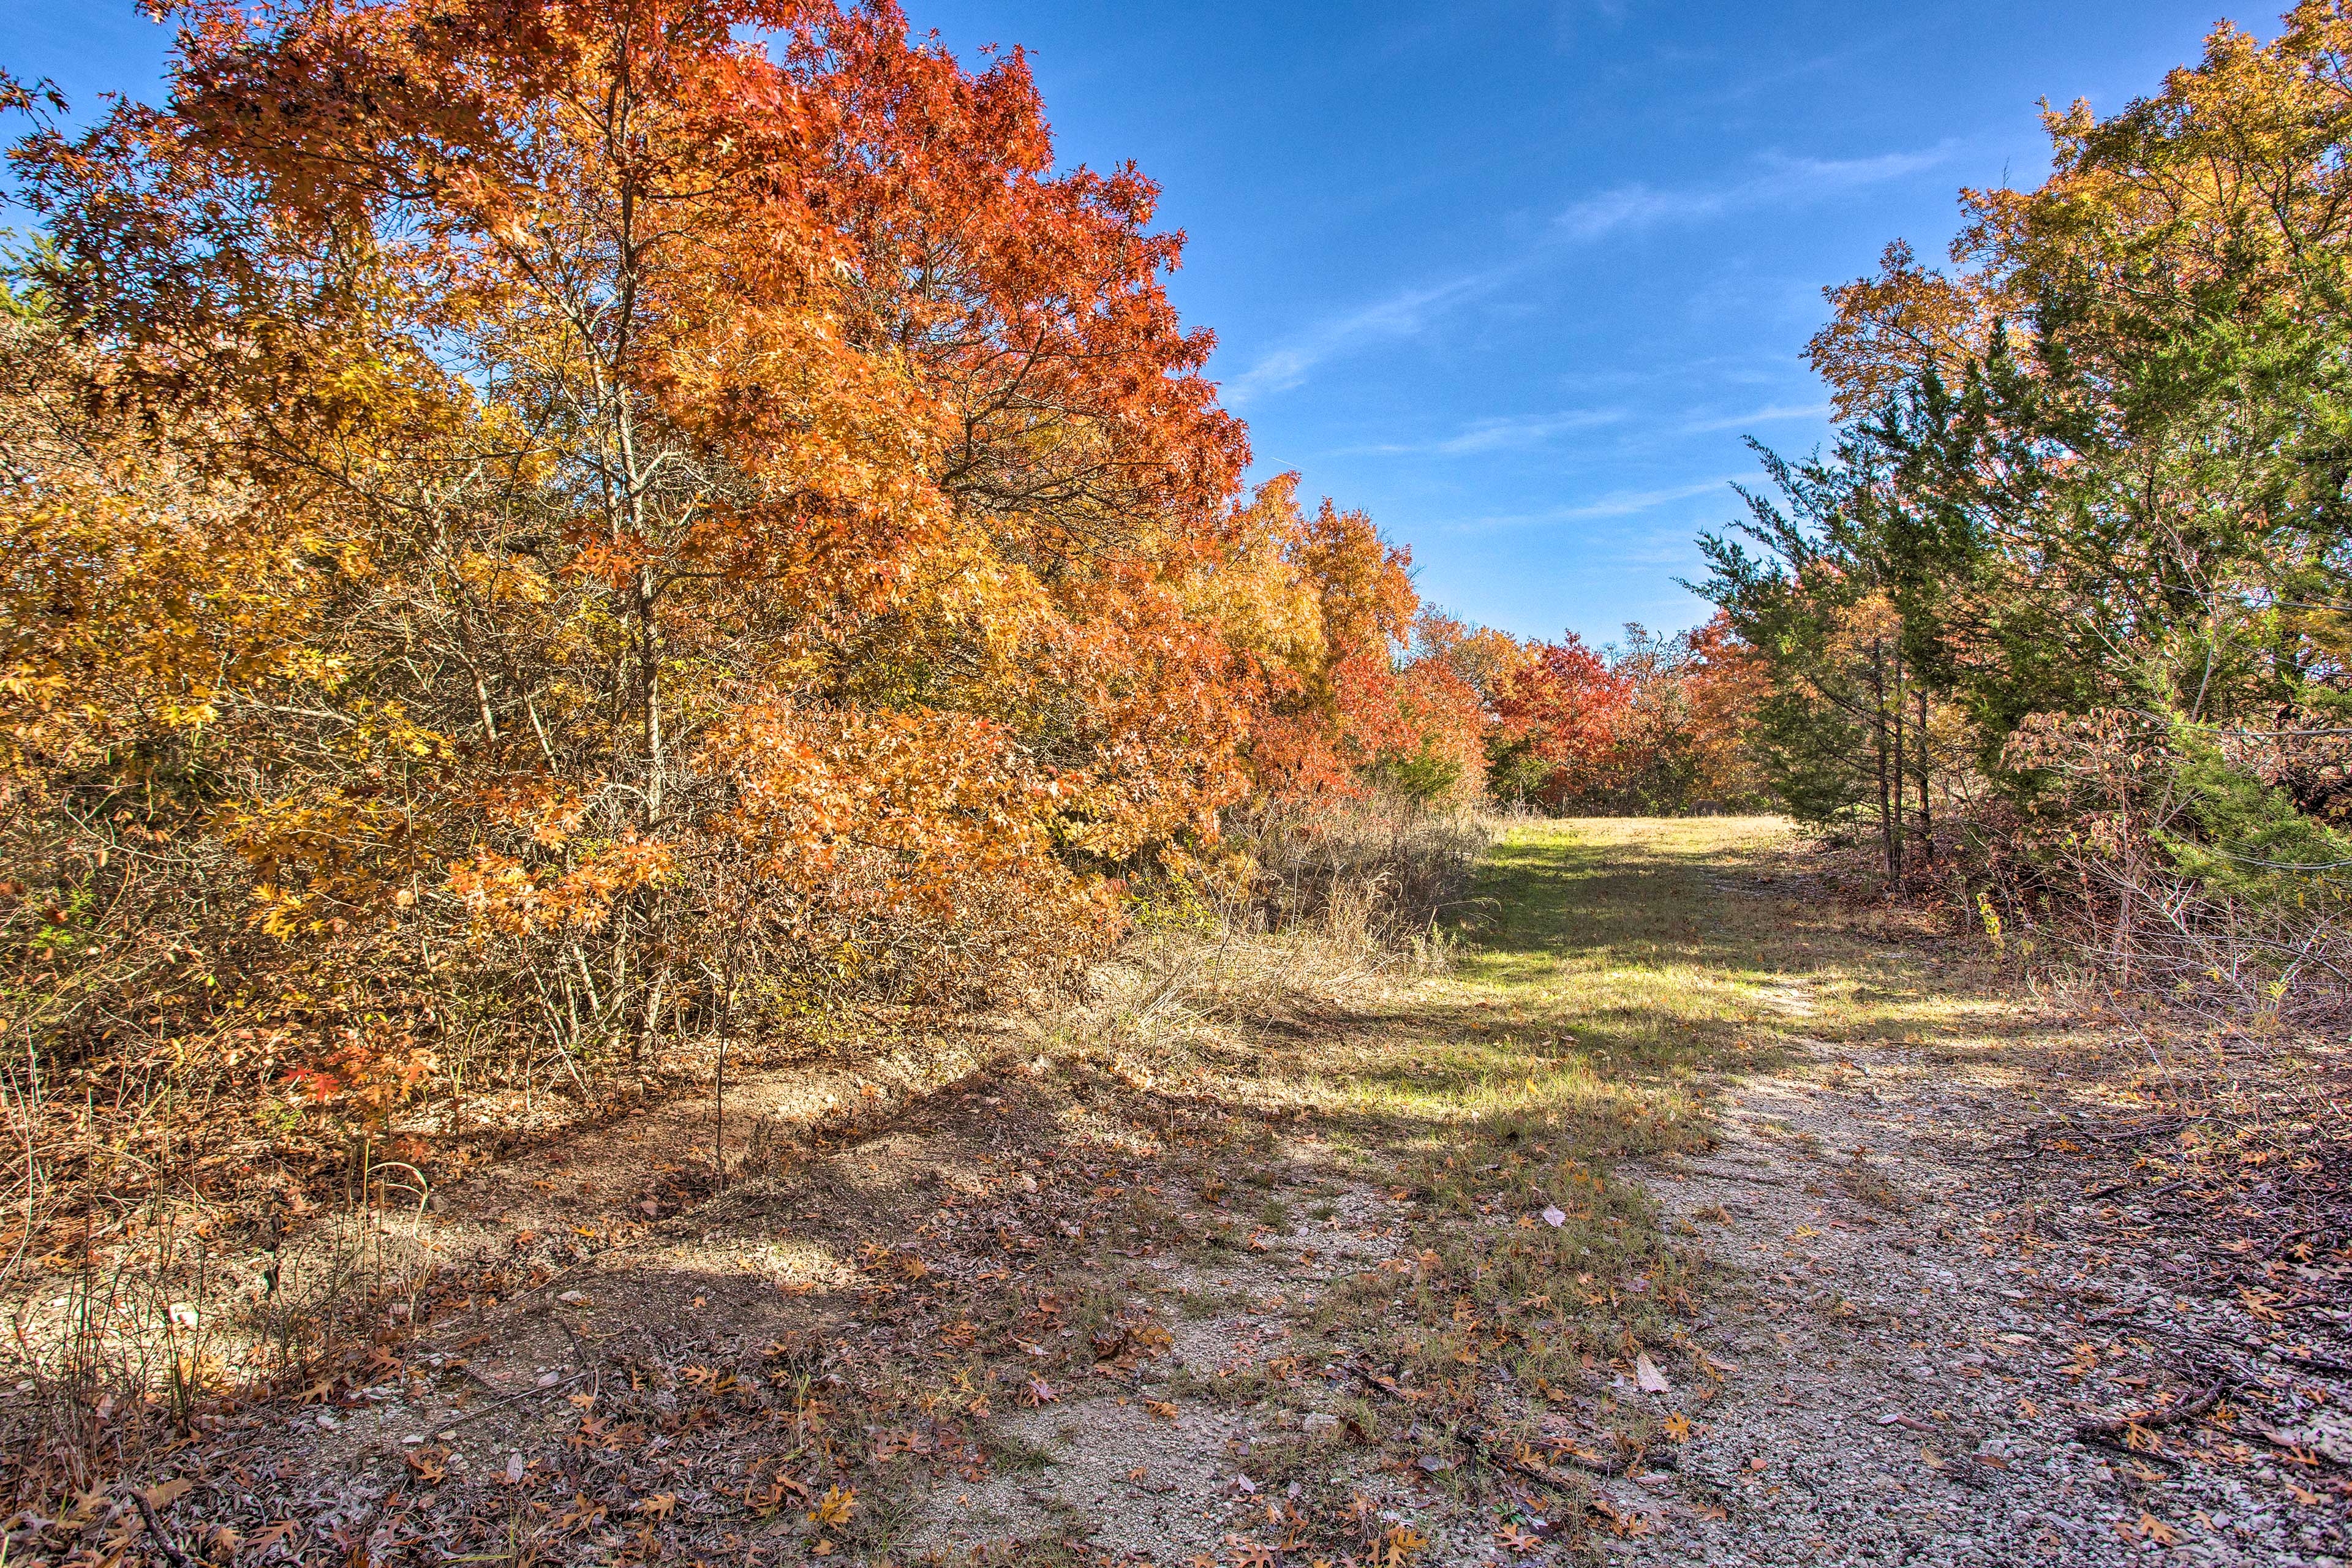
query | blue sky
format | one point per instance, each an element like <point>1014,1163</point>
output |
<point>1516,277</point>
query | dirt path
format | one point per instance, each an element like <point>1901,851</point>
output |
<point>1689,1215</point>
<point>1906,1383</point>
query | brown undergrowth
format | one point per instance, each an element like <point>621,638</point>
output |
<point>183,1327</point>
<point>2190,1141</point>
<point>2224,1100</point>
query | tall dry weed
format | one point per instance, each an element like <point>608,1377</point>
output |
<point>1331,903</point>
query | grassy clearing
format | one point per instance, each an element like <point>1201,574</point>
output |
<point>1335,1206</point>
<point>1471,1121</point>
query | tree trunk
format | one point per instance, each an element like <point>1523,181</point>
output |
<point>1927,818</point>
<point>1896,772</point>
<point>1878,724</point>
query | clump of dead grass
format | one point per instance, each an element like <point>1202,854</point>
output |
<point>1340,902</point>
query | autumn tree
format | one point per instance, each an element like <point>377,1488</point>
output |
<point>533,530</point>
<point>1654,725</point>
<point>1359,687</point>
<point>532,512</point>
<point>2091,487</point>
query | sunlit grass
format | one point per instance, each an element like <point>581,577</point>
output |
<point>1612,975</point>
<point>1604,983</point>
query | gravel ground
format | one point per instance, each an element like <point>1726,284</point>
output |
<point>1902,1381</point>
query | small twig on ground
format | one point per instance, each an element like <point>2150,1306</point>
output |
<point>1481,1443</point>
<point>506,1400</point>
<point>2116,1434</point>
<point>163,1542</point>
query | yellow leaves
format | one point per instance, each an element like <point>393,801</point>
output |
<point>502,894</point>
<point>1162,1408</point>
<point>502,579</point>
<point>658,1506</point>
<point>892,1263</point>
<point>1887,328</point>
<point>834,1507</point>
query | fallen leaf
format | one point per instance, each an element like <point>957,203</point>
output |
<point>1554,1216</point>
<point>1646,1374</point>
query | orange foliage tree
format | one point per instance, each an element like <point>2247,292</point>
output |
<point>583,515</point>
<point>1370,690</point>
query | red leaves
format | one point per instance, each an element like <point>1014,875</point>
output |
<point>1656,725</point>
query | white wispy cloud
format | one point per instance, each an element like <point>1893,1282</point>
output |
<point>1771,413</point>
<point>1625,503</point>
<point>1611,504</point>
<point>1778,181</point>
<point>1495,434</point>
<point>1401,315</point>
<point>1570,17</point>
